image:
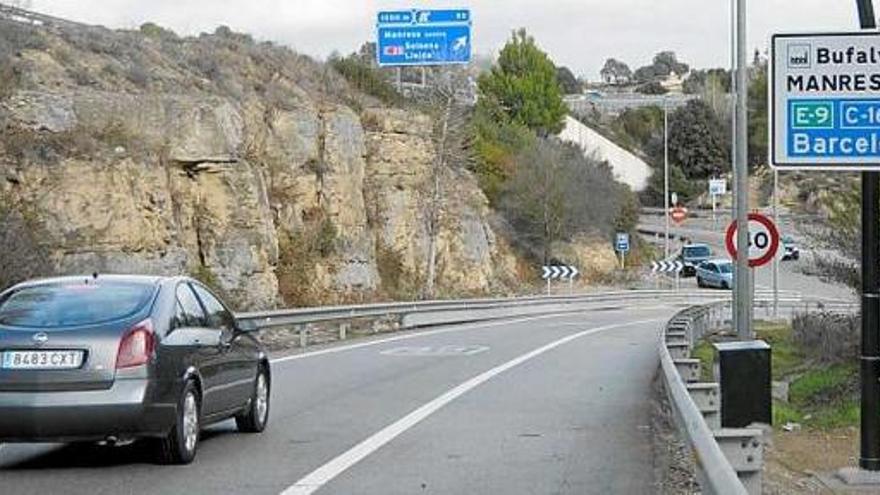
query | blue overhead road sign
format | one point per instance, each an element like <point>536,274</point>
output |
<point>423,37</point>
<point>825,110</point>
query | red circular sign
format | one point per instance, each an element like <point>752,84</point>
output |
<point>678,214</point>
<point>768,251</point>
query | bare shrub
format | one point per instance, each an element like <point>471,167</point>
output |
<point>828,337</point>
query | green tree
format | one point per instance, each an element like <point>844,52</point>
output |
<point>616,72</point>
<point>636,127</point>
<point>679,183</point>
<point>758,118</point>
<point>522,86</point>
<point>697,141</point>
<point>567,81</point>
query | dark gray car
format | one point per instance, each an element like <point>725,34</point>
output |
<point>118,358</point>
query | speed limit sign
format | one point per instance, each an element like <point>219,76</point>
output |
<point>763,240</point>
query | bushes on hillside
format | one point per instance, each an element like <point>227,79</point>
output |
<point>365,78</point>
<point>828,337</point>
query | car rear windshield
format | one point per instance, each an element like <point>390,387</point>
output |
<point>697,252</point>
<point>73,304</point>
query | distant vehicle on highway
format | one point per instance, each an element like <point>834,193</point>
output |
<point>715,273</point>
<point>790,251</point>
<point>691,256</point>
<point>118,358</point>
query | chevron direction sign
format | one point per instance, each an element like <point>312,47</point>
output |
<point>667,266</point>
<point>555,272</point>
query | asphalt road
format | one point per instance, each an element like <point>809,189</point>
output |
<point>540,405</point>
<point>791,273</point>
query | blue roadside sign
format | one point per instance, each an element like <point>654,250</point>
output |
<point>622,243</point>
<point>423,37</point>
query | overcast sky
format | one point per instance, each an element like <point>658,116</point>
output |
<point>578,33</point>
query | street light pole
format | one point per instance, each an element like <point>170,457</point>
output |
<point>743,296</point>
<point>666,172</point>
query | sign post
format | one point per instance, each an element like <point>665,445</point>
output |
<point>825,115</point>
<point>717,187</point>
<point>621,245</point>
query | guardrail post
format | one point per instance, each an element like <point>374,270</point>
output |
<point>688,369</point>
<point>303,335</point>
<point>707,397</point>
<point>744,450</point>
<point>343,331</point>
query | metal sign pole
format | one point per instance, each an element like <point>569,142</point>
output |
<point>742,282</point>
<point>666,173</point>
<point>714,215</point>
<point>733,92</point>
<point>776,258</point>
<point>869,458</point>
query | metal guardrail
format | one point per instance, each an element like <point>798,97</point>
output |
<point>302,316</point>
<point>715,471</point>
<point>29,17</point>
<point>727,460</point>
<point>414,314</point>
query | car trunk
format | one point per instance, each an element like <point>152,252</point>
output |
<point>98,344</point>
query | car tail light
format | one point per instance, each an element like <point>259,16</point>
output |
<point>137,345</point>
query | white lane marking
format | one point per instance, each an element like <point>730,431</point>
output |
<point>324,474</point>
<point>435,351</point>
<point>414,335</point>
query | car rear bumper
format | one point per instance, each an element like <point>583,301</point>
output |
<point>122,411</point>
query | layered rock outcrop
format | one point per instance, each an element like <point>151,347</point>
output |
<point>231,186</point>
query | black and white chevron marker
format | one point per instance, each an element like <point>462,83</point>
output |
<point>555,272</point>
<point>667,266</point>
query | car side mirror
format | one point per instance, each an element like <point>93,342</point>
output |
<point>244,326</point>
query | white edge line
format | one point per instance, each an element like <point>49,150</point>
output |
<point>326,473</point>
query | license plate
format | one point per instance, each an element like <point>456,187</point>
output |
<point>42,360</point>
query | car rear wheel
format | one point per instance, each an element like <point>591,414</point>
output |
<point>179,447</point>
<point>255,417</point>
<point>700,283</point>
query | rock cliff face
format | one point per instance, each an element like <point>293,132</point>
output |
<point>274,191</point>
